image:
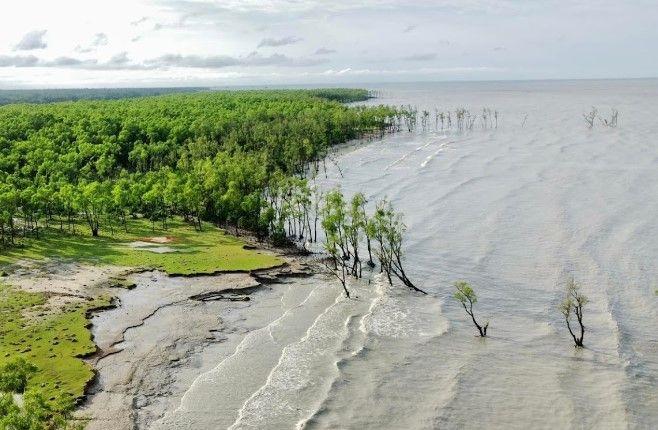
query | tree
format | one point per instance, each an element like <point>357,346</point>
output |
<point>121,200</point>
<point>339,269</point>
<point>466,296</point>
<point>356,228</point>
<point>225,157</point>
<point>333,223</point>
<point>388,230</point>
<point>574,303</point>
<point>92,198</point>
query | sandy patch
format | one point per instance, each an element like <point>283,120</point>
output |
<point>64,283</point>
<point>61,278</point>
<point>157,239</point>
<point>149,246</point>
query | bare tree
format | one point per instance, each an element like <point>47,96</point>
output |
<point>466,296</point>
<point>591,116</point>
<point>612,122</point>
<point>573,304</point>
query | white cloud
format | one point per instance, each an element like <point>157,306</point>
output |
<point>211,40</point>
<point>100,39</point>
<point>272,42</point>
<point>324,51</point>
<point>32,40</point>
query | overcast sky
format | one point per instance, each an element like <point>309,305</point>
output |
<point>91,43</point>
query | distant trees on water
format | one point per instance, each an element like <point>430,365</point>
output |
<point>572,307</point>
<point>460,119</point>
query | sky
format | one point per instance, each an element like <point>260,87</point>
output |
<point>146,43</point>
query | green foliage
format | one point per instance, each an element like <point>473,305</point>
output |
<point>574,299</point>
<point>346,224</point>
<point>466,296</point>
<point>34,414</point>
<point>51,340</point>
<point>343,95</point>
<point>204,156</point>
<point>207,251</point>
<point>14,375</point>
<point>465,293</point>
<point>60,95</point>
<point>573,304</point>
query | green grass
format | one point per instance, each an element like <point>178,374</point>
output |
<point>208,251</point>
<point>52,341</point>
<point>55,339</point>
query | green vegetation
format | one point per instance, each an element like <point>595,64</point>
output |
<point>220,157</point>
<point>147,183</point>
<point>346,224</point>
<point>466,296</point>
<point>189,251</point>
<point>60,95</point>
<point>50,338</point>
<point>34,414</point>
<point>573,304</point>
<point>343,95</point>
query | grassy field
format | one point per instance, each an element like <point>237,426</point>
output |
<point>54,340</point>
<point>194,252</point>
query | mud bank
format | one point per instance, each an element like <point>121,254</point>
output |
<point>165,332</point>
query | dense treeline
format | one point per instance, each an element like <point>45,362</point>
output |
<point>65,94</point>
<point>343,95</point>
<point>234,158</point>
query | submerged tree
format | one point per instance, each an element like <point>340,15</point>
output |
<point>574,303</point>
<point>346,224</point>
<point>388,229</point>
<point>466,296</point>
<point>590,117</point>
<point>357,228</point>
<point>334,221</point>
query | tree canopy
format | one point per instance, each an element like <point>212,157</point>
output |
<point>217,156</point>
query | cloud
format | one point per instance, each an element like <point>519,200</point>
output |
<point>338,72</point>
<point>500,48</point>
<point>421,71</point>
<point>32,61</point>
<point>409,29</point>
<point>121,61</point>
<point>221,61</point>
<point>18,61</point>
<point>117,62</point>
<point>139,21</point>
<point>420,57</point>
<point>289,40</point>
<point>100,39</point>
<point>32,40</point>
<point>324,51</point>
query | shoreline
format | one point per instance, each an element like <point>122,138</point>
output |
<point>66,283</point>
<point>141,384</point>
